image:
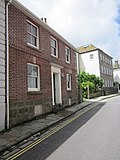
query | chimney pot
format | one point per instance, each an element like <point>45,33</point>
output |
<point>45,19</point>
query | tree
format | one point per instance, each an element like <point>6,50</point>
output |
<point>94,82</point>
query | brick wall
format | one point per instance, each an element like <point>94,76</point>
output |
<point>23,104</point>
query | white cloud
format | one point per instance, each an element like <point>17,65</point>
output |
<point>82,22</point>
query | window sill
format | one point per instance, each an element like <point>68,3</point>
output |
<point>69,90</point>
<point>34,92</point>
<point>33,47</point>
<point>67,62</point>
<point>54,56</point>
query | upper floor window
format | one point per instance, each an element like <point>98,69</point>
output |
<point>32,34</point>
<point>67,52</point>
<point>103,58</point>
<point>100,56</point>
<point>91,56</point>
<point>75,57</point>
<point>54,48</point>
<point>102,69</point>
<point>68,81</point>
<point>33,77</point>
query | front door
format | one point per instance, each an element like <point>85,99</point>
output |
<point>56,86</point>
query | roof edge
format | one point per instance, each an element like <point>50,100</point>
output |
<point>95,49</point>
<point>25,10</point>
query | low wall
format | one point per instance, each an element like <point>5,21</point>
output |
<point>104,91</point>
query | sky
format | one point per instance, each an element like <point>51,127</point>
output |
<point>83,22</point>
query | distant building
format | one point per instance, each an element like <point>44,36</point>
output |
<point>116,73</point>
<point>94,61</point>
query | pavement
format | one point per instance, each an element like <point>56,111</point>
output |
<point>12,137</point>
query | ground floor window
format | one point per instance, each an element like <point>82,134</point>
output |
<point>33,77</point>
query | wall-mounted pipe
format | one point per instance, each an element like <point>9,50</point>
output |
<point>7,65</point>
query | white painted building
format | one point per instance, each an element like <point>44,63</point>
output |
<point>95,61</point>
<point>116,73</point>
<point>2,64</point>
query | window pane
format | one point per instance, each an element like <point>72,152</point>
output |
<point>30,82</point>
<point>28,38</point>
<point>53,51</point>
<point>29,70</point>
<point>34,30</point>
<point>53,43</point>
<point>28,27</point>
<point>34,82</point>
<point>35,71</point>
<point>67,58</point>
<point>34,41</point>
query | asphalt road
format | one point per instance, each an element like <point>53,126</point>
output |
<point>42,150</point>
<point>98,139</point>
<point>94,135</point>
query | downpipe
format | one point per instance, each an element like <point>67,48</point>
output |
<point>7,66</point>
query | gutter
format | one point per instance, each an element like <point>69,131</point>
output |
<point>7,66</point>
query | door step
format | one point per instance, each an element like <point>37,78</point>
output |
<point>57,107</point>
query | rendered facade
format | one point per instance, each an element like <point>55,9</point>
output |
<point>95,61</point>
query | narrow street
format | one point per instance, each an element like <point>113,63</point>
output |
<point>93,135</point>
<point>99,139</point>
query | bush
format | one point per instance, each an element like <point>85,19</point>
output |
<point>91,81</point>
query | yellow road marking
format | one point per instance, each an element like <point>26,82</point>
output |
<point>17,154</point>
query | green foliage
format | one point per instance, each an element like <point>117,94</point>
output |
<point>94,82</point>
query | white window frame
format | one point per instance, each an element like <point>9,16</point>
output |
<point>56,48</point>
<point>38,78</point>
<point>37,37</point>
<point>69,81</point>
<point>67,54</point>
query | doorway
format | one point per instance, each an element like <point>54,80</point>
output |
<point>56,86</point>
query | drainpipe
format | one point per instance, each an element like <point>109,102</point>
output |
<point>7,66</point>
<point>80,88</point>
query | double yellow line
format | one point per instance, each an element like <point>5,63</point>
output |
<point>14,156</point>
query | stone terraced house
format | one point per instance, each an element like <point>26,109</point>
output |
<point>42,67</point>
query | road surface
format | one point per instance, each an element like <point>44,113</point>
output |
<point>94,135</point>
<point>98,139</point>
